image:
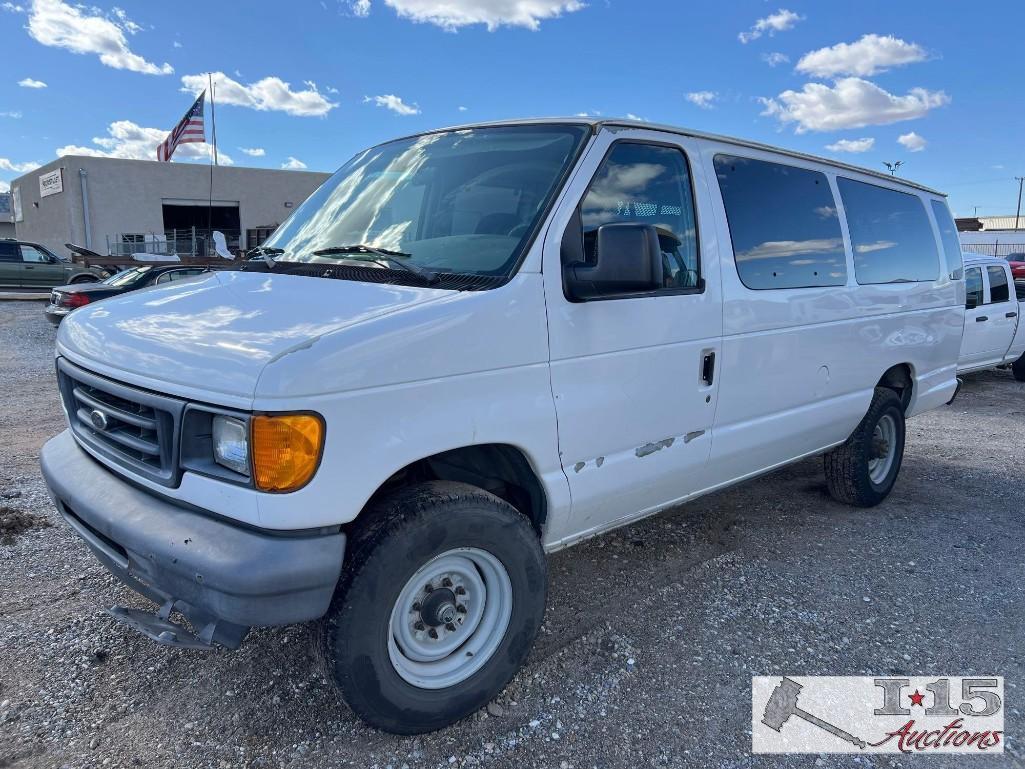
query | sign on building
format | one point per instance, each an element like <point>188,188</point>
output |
<point>51,183</point>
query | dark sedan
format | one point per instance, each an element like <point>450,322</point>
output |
<point>64,299</point>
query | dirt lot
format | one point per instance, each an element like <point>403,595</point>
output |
<point>652,633</point>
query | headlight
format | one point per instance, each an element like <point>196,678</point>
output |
<point>231,444</point>
<point>286,450</point>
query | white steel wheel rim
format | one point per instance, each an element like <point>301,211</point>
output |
<point>883,449</point>
<point>449,618</point>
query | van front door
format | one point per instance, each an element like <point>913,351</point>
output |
<point>634,374</point>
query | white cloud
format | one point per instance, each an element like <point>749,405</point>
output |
<point>270,93</point>
<point>851,145</point>
<point>394,103</point>
<point>12,8</point>
<point>5,186</point>
<point>17,168</point>
<point>780,21</point>
<point>176,44</point>
<point>359,8</point>
<point>453,14</point>
<point>57,24</point>
<point>30,83</point>
<point>127,140</point>
<point>461,108</point>
<point>775,59</point>
<point>850,103</point>
<point>632,116</point>
<point>866,57</point>
<point>912,142</point>
<point>254,152</point>
<point>15,115</point>
<point>703,99</point>
<point>293,164</point>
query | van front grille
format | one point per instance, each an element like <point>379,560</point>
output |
<point>128,427</point>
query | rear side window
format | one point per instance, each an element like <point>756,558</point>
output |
<point>646,184</point>
<point>973,287</point>
<point>891,236</point>
<point>9,252</point>
<point>999,291</point>
<point>948,237</point>
<point>783,224</point>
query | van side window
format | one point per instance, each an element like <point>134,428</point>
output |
<point>9,252</point>
<point>647,184</point>
<point>890,234</point>
<point>949,239</point>
<point>783,224</point>
<point>999,291</point>
<point>973,288</point>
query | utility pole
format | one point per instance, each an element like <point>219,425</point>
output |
<point>1017,216</point>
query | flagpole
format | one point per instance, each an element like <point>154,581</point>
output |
<point>213,161</point>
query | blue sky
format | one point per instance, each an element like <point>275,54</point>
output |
<point>314,81</point>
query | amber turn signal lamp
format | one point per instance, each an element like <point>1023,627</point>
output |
<point>286,450</point>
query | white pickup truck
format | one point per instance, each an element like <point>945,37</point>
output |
<point>994,332</point>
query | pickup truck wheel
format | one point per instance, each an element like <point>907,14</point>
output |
<point>1018,369</point>
<point>439,603</point>
<point>863,469</point>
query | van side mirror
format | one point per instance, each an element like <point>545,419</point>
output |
<point>627,259</point>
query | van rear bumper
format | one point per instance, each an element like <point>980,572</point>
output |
<point>212,571</point>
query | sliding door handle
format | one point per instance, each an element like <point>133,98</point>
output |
<point>708,368</point>
<point>1011,315</point>
<point>981,319</point>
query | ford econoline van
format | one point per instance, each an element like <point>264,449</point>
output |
<point>474,346</point>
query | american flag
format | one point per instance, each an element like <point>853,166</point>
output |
<point>189,130</point>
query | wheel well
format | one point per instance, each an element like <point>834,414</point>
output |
<point>498,468</point>
<point>83,279</point>
<point>899,379</point>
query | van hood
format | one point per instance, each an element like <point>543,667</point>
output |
<point>216,333</point>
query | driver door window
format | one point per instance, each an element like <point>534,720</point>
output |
<point>32,255</point>
<point>647,184</point>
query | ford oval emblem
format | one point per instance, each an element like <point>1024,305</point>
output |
<point>99,419</point>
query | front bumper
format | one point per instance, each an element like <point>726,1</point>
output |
<point>55,314</point>
<point>224,577</point>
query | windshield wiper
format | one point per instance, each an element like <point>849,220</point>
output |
<point>384,255</point>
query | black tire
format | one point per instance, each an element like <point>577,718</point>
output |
<point>1018,368</point>
<point>847,466</point>
<point>401,534</point>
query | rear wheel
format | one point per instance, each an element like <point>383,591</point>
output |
<point>441,599</point>
<point>863,470</point>
<point>1018,369</point>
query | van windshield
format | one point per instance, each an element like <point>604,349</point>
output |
<point>464,201</point>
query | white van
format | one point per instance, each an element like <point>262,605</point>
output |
<point>994,331</point>
<point>476,345</point>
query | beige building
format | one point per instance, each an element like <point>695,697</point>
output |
<point>111,205</point>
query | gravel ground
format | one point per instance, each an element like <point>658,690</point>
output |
<point>652,635</point>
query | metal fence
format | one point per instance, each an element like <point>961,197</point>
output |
<point>193,242</point>
<point>1001,250</point>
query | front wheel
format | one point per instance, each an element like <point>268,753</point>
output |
<point>441,599</point>
<point>862,470</point>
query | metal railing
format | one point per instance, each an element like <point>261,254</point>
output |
<point>1000,250</point>
<point>191,242</point>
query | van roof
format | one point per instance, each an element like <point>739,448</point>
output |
<point>598,123</point>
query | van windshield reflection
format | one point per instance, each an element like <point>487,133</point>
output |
<point>465,201</point>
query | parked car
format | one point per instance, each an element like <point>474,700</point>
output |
<point>994,333</point>
<point>1017,262</point>
<point>30,265</point>
<point>472,347</point>
<point>64,299</point>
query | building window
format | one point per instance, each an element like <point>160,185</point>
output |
<point>258,235</point>
<point>783,223</point>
